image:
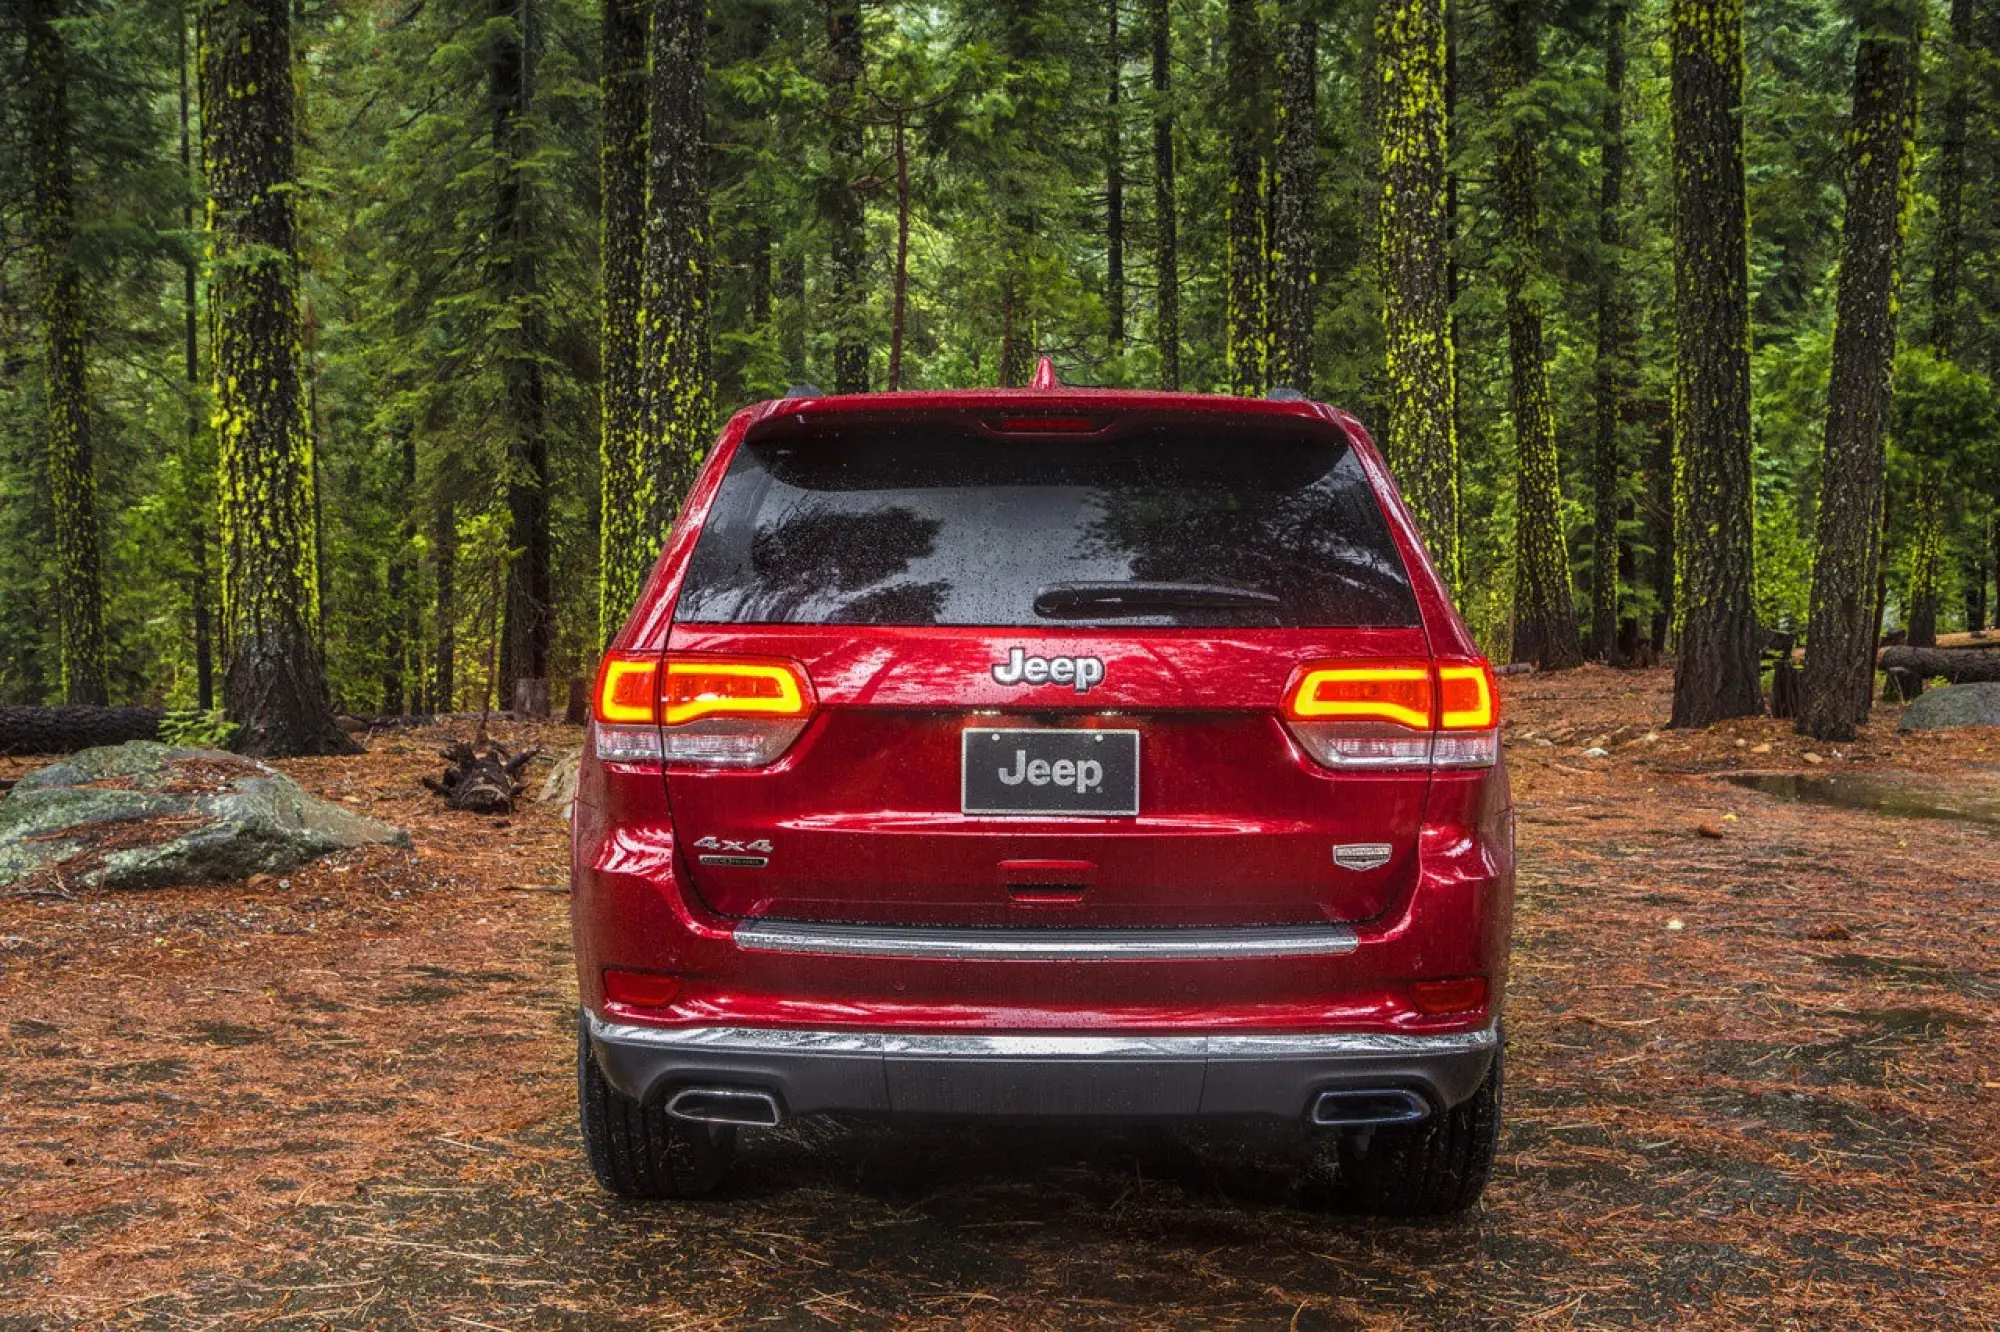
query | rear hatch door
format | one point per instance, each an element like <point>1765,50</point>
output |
<point>1048,667</point>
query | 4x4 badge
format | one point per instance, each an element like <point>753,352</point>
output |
<point>738,855</point>
<point>760,846</point>
<point>1080,673</point>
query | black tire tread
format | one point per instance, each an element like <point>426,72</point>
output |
<point>1436,1168</point>
<point>639,1151</point>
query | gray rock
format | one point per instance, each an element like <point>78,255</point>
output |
<point>1953,706</point>
<point>558,795</point>
<point>196,816</point>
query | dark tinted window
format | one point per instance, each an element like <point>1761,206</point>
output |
<point>1191,525</point>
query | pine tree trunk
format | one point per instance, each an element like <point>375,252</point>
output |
<point>1114,187</point>
<point>626,548</point>
<point>273,687</point>
<point>899,289</point>
<point>843,206</point>
<point>529,613</point>
<point>1295,211</point>
<point>1544,607</point>
<point>396,651</point>
<point>1947,269</point>
<point>1021,40</point>
<point>444,548</point>
<point>72,477</point>
<point>199,477</point>
<point>1716,675</point>
<point>1926,554</point>
<point>1661,516</point>
<point>1840,643</point>
<point>1166,254</point>
<point>1415,249</point>
<point>1613,338</point>
<point>674,356</point>
<point>1243,75</point>
<point>1948,266</point>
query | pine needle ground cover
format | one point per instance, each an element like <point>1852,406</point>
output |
<point>1754,1080</point>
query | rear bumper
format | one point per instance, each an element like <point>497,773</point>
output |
<point>1029,1075</point>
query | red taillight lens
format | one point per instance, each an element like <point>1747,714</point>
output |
<point>1395,714</point>
<point>1467,700</point>
<point>1462,994</point>
<point>698,687</point>
<point>640,989</point>
<point>1395,692</point>
<point>688,708</point>
<point>628,688</point>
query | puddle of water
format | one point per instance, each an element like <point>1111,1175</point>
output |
<point>1878,796</point>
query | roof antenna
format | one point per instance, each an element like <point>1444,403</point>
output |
<point>1045,375</point>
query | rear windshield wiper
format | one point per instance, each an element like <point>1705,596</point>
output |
<point>1074,601</point>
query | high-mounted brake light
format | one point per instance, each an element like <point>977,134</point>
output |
<point>1045,423</point>
<point>691,708</point>
<point>1395,714</point>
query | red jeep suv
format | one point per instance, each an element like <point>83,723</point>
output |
<point>1051,754</point>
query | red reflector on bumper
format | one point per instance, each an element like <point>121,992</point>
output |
<point>640,989</point>
<point>1463,995</point>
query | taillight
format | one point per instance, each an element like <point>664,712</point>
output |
<point>735,712</point>
<point>1468,734</point>
<point>1394,714</point>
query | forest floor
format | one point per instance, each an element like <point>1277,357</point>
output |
<point>1753,1079</point>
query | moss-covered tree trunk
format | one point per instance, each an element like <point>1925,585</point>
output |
<point>1114,184</point>
<point>72,477</point>
<point>843,206</point>
<point>1246,347</point>
<point>521,332</point>
<point>1166,251</point>
<point>673,317</point>
<point>1415,254</point>
<point>1544,607</point>
<point>1611,375</point>
<point>273,688</point>
<point>626,546</point>
<point>1716,674</point>
<point>1835,690</point>
<point>1927,515</point>
<point>200,476</point>
<point>1295,211</point>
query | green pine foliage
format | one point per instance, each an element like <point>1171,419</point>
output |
<point>415,322</point>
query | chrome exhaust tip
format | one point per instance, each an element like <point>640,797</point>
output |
<point>738,1106</point>
<point>1369,1107</point>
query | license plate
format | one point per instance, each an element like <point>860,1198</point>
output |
<point>1020,770</point>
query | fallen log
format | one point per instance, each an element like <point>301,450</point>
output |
<point>482,780</point>
<point>66,729</point>
<point>1963,665</point>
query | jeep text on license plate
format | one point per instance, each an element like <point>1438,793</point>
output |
<point>1021,770</point>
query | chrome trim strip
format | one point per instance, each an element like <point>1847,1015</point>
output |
<point>1043,943</point>
<point>1039,1045</point>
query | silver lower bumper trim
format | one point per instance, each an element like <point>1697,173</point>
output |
<point>1044,943</point>
<point>1041,1045</point>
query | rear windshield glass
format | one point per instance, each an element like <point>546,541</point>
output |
<point>1188,525</point>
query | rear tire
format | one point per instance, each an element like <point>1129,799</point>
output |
<point>640,1151</point>
<point>1435,1168</point>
